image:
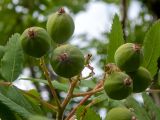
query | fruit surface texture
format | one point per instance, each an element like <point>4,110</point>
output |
<point>35,41</point>
<point>119,113</point>
<point>141,79</point>
<point>60,26</point>
<point>67,61</point>
<point>118,85</point>
<point>128,57</point>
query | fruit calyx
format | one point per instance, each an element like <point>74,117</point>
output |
<point>137,47</point>
<point>111,67</point>
<point>31,33</point>
<point>134,118</point>
<point>61,11</point>
<point>63,57</point>
<point>127,82</point>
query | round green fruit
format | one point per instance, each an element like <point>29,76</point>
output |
<point>67,61</point>
<point>118,85</point>
<point>119,113</point>
<point>35,41</point>
<point>128,57</point>
<point>141,79</point>
<point>60,26</point>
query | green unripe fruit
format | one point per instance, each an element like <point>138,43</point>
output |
<point>67,61</point>
<point>60,26</point>
<point>141,79</point>
<point>119,113</point>
<point>35,41</point>
<point>118,85</point>
<point>128,57</point>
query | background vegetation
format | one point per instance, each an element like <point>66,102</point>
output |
<point>17,15</point>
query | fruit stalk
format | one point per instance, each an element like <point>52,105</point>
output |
<point>153,91</point>
<point>70,93</point>
<point>84,100</point>
<point>88,93</point>
<point>68,98</point>
<point>5,83</point>
<point>46,73</point>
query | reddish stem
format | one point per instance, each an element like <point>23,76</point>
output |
<point>83,100</point>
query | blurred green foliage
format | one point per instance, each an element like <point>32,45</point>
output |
<point>16,15</point>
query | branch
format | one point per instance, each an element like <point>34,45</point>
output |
<point>88,93</point>
<point>153,90</point>
<point>70,93</point>
<point>2,83</point>
<point>87,63</point>
<point>73,83</point>
<point>46,73</point>
<point>83,100</point>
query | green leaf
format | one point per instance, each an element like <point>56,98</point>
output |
<point>2,50</point>
<point>140,112</point>
<point>115,38</point>
<point>113,1</point>
<point>151,48</point>
<point>12,61</point>
<point>35,93</point>
<point>14,95</point>
<point>14,106</point>
<point>151,107</point>
<point>88,83</point>
<point>56,84</point>
<point>35,117</point>
<point>6,113</point>
<point>100,98</point>
<point>158,78</point>
<point>86,114</point>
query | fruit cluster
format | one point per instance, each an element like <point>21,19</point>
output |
<point>67,60</point>
<point>124,77</point>
<point>130,76</point>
